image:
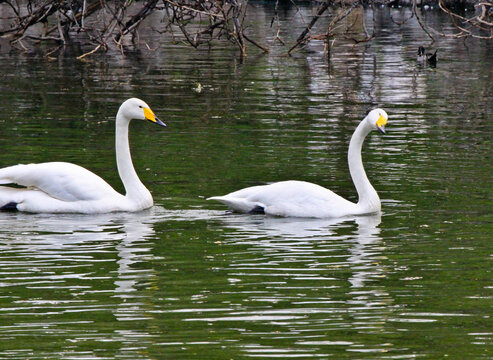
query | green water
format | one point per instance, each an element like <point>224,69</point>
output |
<point>186,280</point>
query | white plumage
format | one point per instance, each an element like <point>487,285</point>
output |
<point>303,199</point>
<point>60,187</point>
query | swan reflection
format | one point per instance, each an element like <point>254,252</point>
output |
<point>307,263</point>
<point>299,228</point>
<point>293,274</point>
<point>309,246</point>
<point>76,263</point>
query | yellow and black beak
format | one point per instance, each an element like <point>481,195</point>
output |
<point>149,115</point>
<point>381,122</point>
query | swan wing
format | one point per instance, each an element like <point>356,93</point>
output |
<point>60,180</point>
<point>289,199</point>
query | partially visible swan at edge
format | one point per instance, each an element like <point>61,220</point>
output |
<point>303,199</point>
<point>60,187</point>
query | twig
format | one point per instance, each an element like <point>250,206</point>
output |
<point>59,26</point>
<point>185,7</point>
<point>421,23</point>
<point>263,48</point>
<point>134,22</point>
<point>90,52</point>
<point>301,39</point>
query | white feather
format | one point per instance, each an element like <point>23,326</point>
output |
<point>303,199</point>
<point>58,187</point>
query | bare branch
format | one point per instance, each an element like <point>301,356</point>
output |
<point>302,39</point>
<point>421,23</point>
<point>104,24</point>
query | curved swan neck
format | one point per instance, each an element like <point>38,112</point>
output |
<point>135,190</point>
<point>368,197</point>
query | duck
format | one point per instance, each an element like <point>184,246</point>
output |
<point>62,187</point>
<point>294,198</point>
<point>424,57</point>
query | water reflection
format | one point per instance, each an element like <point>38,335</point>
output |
<point>301,237</point>
<point>299,278</point>
<point>297,228</point>
<point>66,265</point>
<point>283,271</point>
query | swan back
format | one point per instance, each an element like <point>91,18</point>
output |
<point>64,187</point>
<point>60,180</point>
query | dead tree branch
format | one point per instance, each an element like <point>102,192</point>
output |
<point>337,27</point>
<point>479,26</point>
<point>99,25</point>
<point>302,39</point>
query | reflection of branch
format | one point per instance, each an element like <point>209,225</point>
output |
<point>185,7</point>
<point>33,17</point>
<point>214,19</point>
<point>465,26</point>
<point>89,53</point>
<point>302,38</point>
<point>338,18</point>
<point>86,11</point>
<point>276,18</point>
<point>238,32</point>
<point>104,23</point>
<point>484,12</point>
<point>135,20</point>
<point>263,48</point>
<point>400,23</point>
<point>478,23</point>
<point>420,23</point>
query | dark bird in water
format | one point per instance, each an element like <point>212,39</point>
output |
<point>429,58</point>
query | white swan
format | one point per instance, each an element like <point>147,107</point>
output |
<point>60,187</point>
<point>303,199</point>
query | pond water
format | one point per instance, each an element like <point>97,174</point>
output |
<point>185,279</point>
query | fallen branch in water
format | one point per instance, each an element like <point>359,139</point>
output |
<point>100,25</point>
<point>477,26</point>
<point>338,22</point>
<point>211,20</point>
<point>303,38</point>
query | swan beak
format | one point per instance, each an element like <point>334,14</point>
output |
<point>381,122</point>
<point>159,122</point>
<point>149,115</point>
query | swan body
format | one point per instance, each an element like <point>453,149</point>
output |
<point>303,199</point>
<point>61,187</point>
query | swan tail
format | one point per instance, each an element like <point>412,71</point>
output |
<point>10,206</point>
<point>257,210</point>
<point>30,200</point>
<point>239,204</point>
<point>9,198</point>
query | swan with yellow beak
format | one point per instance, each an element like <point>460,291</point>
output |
<point>61,187</point>
<point>294,198</point>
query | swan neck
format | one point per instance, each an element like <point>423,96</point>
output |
<point>135,190</point>
<point>368,198</point>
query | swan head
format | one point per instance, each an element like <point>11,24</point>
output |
<point>137,109</point>
<point>377,119</point>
